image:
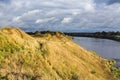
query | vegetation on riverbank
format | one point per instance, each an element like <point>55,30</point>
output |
<point>103,35</point>
<point>47,57</point>
<point>114,70</point>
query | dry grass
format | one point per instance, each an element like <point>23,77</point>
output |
<point>51,57</point>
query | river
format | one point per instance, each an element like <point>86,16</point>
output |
<point>108,49</point>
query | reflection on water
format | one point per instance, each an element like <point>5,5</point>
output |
<point>106,48</point>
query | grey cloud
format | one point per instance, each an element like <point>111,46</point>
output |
<point>5,1</point>
<point>108,2</point>
<point>113,1</point>
<point>80,15</point>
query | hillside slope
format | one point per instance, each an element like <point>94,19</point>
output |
<point>51,57</point>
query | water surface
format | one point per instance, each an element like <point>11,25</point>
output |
<point>106,48</point>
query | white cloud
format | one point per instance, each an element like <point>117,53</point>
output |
<point>89,7</point>
<point>16,18</point>
<point>32,12</point>
<point>75,13</point>
<point>66,20</point>
<point>28,15</point>
<point>44,20</point>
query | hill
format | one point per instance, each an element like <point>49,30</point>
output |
<point>49,57</point>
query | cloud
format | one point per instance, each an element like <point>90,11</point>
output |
<point>114,1</point>
<point>5,1</point>
<point>63,15</point>
<point>32,12</point>
<point>90,6</point>
<point>16,18</point>
<point>30,15</point>
<point>108,2</point>
<point>44,20</point>
<point>66,20</point>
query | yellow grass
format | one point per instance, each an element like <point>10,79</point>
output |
<point>51,57</point>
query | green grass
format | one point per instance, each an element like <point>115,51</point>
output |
<point>114,70</point>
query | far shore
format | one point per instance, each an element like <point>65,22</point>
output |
<point>103,35</point>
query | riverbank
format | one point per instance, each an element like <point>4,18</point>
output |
<point>102,35</point>
<point>108,49</point>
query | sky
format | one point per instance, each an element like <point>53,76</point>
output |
<point>61,15</point>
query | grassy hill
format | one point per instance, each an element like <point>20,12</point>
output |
<point>50,57</point>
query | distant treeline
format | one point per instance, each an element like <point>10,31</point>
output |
<point>104,35</point>
<point>97,34</point>
<point>44,32</point>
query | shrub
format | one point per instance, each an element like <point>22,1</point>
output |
<point>114,70</point>
<point>93,72</point>
<point>74,77</point>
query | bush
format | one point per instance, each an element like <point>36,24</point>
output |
<point>74,77</point>
<point>115,71</point>
<point>93,72</point>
